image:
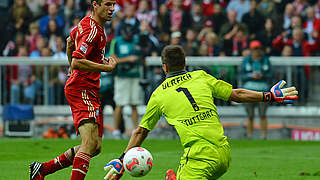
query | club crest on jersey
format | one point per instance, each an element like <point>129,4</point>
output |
<point>84,47</point>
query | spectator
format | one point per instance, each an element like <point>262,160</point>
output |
<point>317,9</point>
<point>186,4</point>
<point>230,28</point>
<point>129,18</point>
<point>240,6</point>
<point>288,14</point>
<point>233,35</point>
<point>256,72</point>
<point>23,73</point>
<point>41,43</point>
<point>33,37</point>
<point>177,19</point>
<point>176,38</point>
<point>311,23</point>
<point>162,35</point>
<point>36,7</point>
<point>218,18</point>
<point>147,43</point>
<point>197,20</point>
<point>60,49</point>
<point>75,22</point>
<point>68,13</point>
<point>267,9</point>
<point>52,15</point>
<point>280,72</point>
<point>26,79</point>
<point>126,81</point>
<point>52,34</point>
<point>212,41</point>
<point>203,50</point>
<point>254,20</point>
<point>191,45</point>
<point>301,47</point>
<point>299,6</point>
<point>208,28</point>
<point>266,36</point>
<point>12,46</point>
<point>208,7</point>
<point>145,14</point>
<point>20,17</point>
<point>296,23</point>
<point>110,30</point>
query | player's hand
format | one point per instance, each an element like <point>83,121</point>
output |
<point>69,71</point>
<point>70,43</point>
<point>114,170</point>
<point>277,94</point>
<point>111,63</point>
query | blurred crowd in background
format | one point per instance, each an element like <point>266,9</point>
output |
<point>38,28</point>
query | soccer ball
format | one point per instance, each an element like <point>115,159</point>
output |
<point>137,161</point>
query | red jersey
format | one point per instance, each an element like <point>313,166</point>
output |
<point>90,42</point>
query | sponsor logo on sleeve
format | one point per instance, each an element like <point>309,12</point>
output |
<point>84,47</point>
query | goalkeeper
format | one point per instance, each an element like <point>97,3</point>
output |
<point>186,100</point>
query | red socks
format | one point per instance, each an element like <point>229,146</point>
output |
<point>60,162</point>
<point>80,166</point>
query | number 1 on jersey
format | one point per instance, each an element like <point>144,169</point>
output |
<point>190,98</point>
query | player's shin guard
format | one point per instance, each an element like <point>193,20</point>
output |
<point>63,161</point>
<point>80,166</point>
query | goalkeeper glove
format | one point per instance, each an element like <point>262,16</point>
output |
<point>277,94</point>
<point>114,169</point>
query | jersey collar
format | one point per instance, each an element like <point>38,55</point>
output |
<point>90,16</point>
<point>176,73</point>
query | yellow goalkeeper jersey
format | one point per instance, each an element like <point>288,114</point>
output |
<point>186,101</point>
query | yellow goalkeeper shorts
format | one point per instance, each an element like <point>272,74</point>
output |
<point>204,161</point>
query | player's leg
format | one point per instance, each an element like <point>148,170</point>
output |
<point>224,161</point>
<point>60,162</point>
<point>204,161</point>
<point>90,144</point>
<point>263,119</point>
<point>250,113</point>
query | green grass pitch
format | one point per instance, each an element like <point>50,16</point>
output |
<point>251,159</point>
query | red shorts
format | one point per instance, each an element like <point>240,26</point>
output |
<point>85,104</point>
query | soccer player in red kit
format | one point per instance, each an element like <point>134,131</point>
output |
<point>86,50</point>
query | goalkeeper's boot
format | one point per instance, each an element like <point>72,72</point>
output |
<point>170,175</point>
<point>35,169</point>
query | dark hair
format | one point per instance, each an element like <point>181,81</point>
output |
<point>97,1</point>
<point>174,57</point>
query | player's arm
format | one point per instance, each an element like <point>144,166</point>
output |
<point>115,167</point>
<point>89,66</point>
<point>148,122</point>
<point>137,138</point>
<point>276,94</point>
<point>70,48</point>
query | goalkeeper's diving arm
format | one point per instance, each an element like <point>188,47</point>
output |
<point>245,95</point>
<point>137,138</point>
<point>276,94</point>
